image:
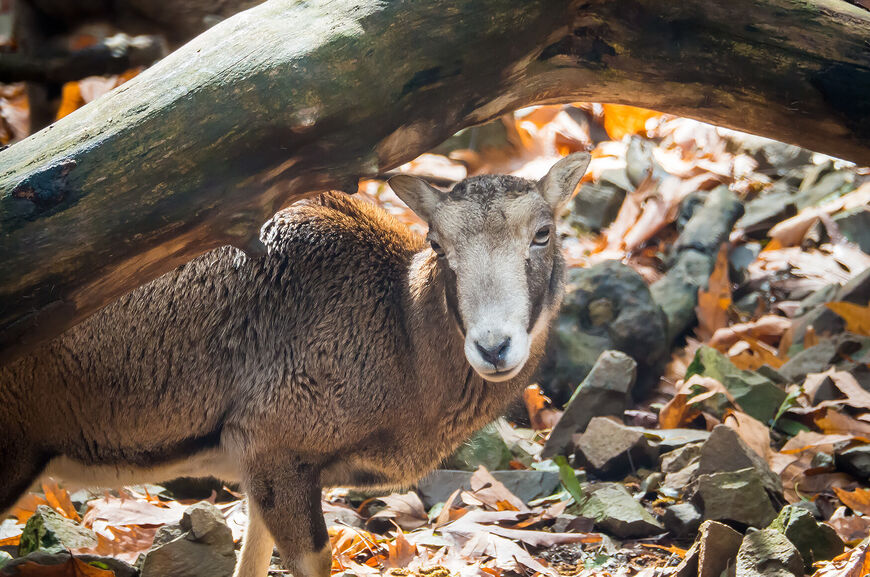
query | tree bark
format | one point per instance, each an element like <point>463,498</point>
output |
<point>290,98</point>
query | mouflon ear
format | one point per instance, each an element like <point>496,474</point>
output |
<point>418,194</point>
<point>558,185</point>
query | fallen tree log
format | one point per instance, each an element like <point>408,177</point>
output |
<point>288,99</point>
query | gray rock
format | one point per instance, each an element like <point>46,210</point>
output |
<point>737,496</point>
<point>670,439</point>
<point>855,225</point>
<point>11,566</point>
<point>678,459</point>
<point>713,554</point>
<point>485,447</point>
<point>768,209</point>
<point>726,451</point>
<point>200,545</point>
<point>528,485</point>
<point>820,357</point>
<point>824,184</point>
<point>51,532</point>
<point>678,482</point>
<point>855,461</point>
<point>694,255</point>
<point>606,390</point>
<point>615,511</point>
<point>609,449</point>
<point>756,394</point>
<point>607,306</point>
<point>825,321</point>
<point>682,520</point>
<point>767,553</point>
<point>815,541</point>
<point>596,206</point>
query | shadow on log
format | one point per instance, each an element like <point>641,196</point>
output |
<point>289,98</point>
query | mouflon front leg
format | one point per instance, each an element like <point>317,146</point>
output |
<point>285,494</point>
<point>257,546</point>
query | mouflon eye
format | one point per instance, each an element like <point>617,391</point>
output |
<point>437,248</point>
<point>542,237</point>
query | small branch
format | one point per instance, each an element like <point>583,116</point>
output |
<point>114,56</point>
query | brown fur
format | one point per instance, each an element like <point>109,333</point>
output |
<point>333,360</point>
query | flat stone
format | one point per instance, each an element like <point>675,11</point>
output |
<point>855,225</point>
<point>615,511</point>
<point>596,206</point>
<point>609,449</point>
<point>50,532</point>
<point>527,485</point>
<point>726,451</point>
<point>200,545</point>
<point>737,496</point>
<point>767,553</point>
<point>712,554</point>
<point>606,390</point>
<point>670,439</point>
<point>718,550</point>
<point>815,541</point>
<point>756,394</point>
<point>679,459</point>
<point>679,481</point>
<point>682,520</point>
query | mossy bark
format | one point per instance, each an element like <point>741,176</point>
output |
<point>290,98</point>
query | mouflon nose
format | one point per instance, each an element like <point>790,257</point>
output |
<point>494,355</point>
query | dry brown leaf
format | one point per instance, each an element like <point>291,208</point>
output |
<point>621,120</point>
<point>405,510</point>
<point>71,568</point>
<point>493,493</point>
<point>400,552</point>
<point>683,407</point>
<point>753,432</point>
<point>713,303</point>
<point>850,528</point>
<point>751,354</point>
<point>855,563</point>
<point>126,544</point>
<point>115,511</point>
<point>855,395</point>
<point>768,329</point>
<point>857,317</point>
<point>857,500</point>
<point>806,440</point>
<point>59,500</point>
<point>542,415</point>
<point>833,422</point>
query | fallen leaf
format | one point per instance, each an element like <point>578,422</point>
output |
<point>621,120</point>
<point>683,407</point>
<point>405,510</point>
<point>753,432</point>
<point>857,317</point>
<point>855,563</point>
<point>492,493</point>
<point>117,511</point>
<point>714,302</point>
<point>768,329</point>
<point>857,500</point>
<point>542,415</point>
<point>73,567</point>
<point>833,422</point>
<point>850,528</point>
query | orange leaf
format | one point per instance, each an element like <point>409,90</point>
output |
<point>541,413</point>
<point>620,120</point>
<point>71,568</point>
<point>26,507</point>
<point>857,500</point>
<point>59,500</point>
<point>857,317</point>
<point>71,99</point>
<point>713,303</point>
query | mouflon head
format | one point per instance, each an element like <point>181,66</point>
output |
<point>496,237</point>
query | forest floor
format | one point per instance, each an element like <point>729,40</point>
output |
<point>737,442</point>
